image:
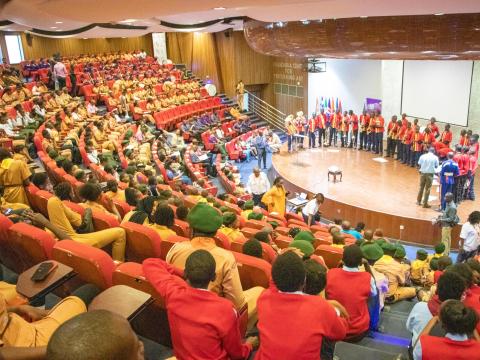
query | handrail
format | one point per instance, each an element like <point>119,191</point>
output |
<point>265,111</point>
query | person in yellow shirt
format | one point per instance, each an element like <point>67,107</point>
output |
<point>14,176</point>
<point>92,194</point>
<point>439,251</point>
<point>113,192</point>
<point>67,220</point>
<point>163,220</point>
<point>230,227</point>
<point>338,240</point>
<point>276,197</point>
<point>247,209</point>
<point>420,268</point>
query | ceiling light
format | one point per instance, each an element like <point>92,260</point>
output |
<point>219,8</point>
<point>85,38</point>
<point>476,29</point>
<point>124,37</point>
<point>305,22</point>
<point>53,27</point>
<point>439,14</point>
<point>363,17</point>
<point>280,24</point>
<point>428,52</point>
<point>128,21</point>
<point>392,52</point>
<point>320,20</point>
<point>58,22</point>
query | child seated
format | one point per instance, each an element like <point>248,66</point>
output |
<point>420,268</point>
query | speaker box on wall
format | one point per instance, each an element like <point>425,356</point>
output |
<point>29,38</point>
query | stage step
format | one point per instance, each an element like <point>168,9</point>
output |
<point>349,351</point>
<point>394,324</point>
<point>386,343</point>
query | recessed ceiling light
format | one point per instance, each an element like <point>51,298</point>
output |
<point>428,52</point>
<point>128,21</point>
<point>476,29</point>
<point>58,22</point>
<point>439,14</point>
<point>124,37</point>
<point>280,24</point>
<point>219,8</point>
<point>392,52</point>
<point>53,27</point>
<point>363,16</point>
<point>85,38</point>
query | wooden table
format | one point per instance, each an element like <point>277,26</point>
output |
<point>33,290</point>
<point>122,300</point>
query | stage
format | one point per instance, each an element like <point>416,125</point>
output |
<point>381,192</point>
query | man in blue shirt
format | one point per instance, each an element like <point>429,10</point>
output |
<point>260,143</point>
<point>447,177</point>
<point>428,163</point>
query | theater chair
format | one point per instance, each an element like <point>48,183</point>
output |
<point>253,272</point>
<point>167,244</point>
<point>257,224</point>
<point>101,221</point>
<point>31,190</point>
<point>41,200</point>
<point>296,222</point>
<point>122,207</point>
<point>222,240</point>
<point>331,255</point>
<point>33,245</point>
<point>93,266</point>
<point>282,230</point>
<point>249,232</point>
<point>8,256</point>
<point>319,228</point>
<point>268,254</point>
<point>290,216</point>
<point>283,241</point>
<point>142,242</point>
<point>151,323</point>
<point>182,228</point>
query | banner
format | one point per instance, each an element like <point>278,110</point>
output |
<point>373,104</point>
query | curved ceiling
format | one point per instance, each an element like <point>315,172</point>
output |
<point>67,17</point>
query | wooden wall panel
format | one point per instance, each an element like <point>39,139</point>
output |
<point>46,47</point>
<point>227,60</point>
<point>290,71</point>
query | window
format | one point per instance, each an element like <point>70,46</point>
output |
<point>14,48</point>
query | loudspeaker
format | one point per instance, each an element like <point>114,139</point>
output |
<point>29,38</point>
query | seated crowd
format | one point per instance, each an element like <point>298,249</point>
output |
<point>110,175</point>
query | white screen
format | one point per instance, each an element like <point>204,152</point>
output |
<point>437,88</point>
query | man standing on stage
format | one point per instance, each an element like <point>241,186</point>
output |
<point>344,125</point>
<point>257,185</point>
<point>364,123</point>
<point>447,221</point>
<point>407,144</point>
<point>379,128</point>
<point>428,163</point>
<point>321,123</point>
<point>354,129</point>
<point>401,135</point>
<point>312,131</point>
<point>392,131</point>
<point>433,127</point>
<point>417,147</point>
<point>447,178</point>
<point>336,119</point>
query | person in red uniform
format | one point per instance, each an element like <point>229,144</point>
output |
<point>401,134</point>
<point>462,176</point>
<point>321,122</point>
<point>428,139</point>
<point>292,324</point>
<point>459,322</point>
<point>379,128</point>
<point>433,127</point>
<point>464,139</point>
<point>444,142</point>
<point>465,169</point>
<point>391,133</point>
<point>344,126</point>
<point>335,122</point>
<point>354,129</point>
<point>472,168</point>
<point>417,146</point>
<point>404,119</point>
<point>407,144</point>
<point>364,123</point>
<point>203,325</point>
<point>352,288</point>
<point>312,131</point>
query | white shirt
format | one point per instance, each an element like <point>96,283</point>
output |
<point>8,130</point>
<point>471,236</point>
<point>93,157</point>
<point>258,184</point>
<point>428,163</point>
<point>311,208</point>
<point>91,109</point>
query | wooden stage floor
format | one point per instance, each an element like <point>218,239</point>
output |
<point>370,185</point>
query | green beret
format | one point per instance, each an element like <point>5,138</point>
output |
<point>371,251</point>
<point>304,246</point>
<point>248,205</point>
<point>273,223</point>
<point>305,235</point>
<point>224,209</point>
<point>204,218</point>
<point>440,248</point>
<point>380,241</point>
<point>255,216</point>
<point>422,254</point>
<point>386,246</point>
<point>229,218</point>
<point>400,252</point>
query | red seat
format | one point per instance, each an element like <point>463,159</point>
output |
<point>31,190</point>
<point>93,266</point>
<point>167,244</point>
<point>222,240</point>
<point>32,244</point>
<point>8,256</point>
<point>253,271</point>
<point>248,232</point>
<point>257,224</point>
<point>41,201</point>
<point>332,255</point>
<point>268,254</point>
<point>182,228</point>
<point>142,242</point>
<point>122,207</point>
<point>283,241</point>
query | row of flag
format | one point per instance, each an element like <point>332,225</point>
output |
<point>328,104</point>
